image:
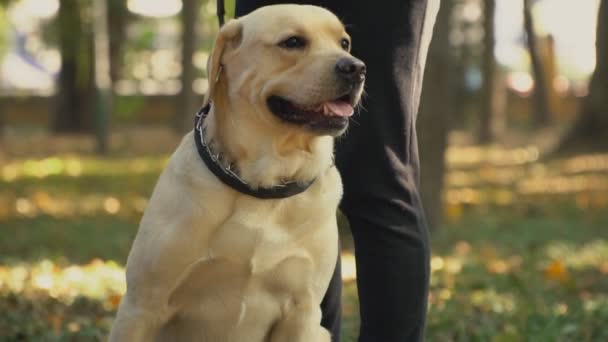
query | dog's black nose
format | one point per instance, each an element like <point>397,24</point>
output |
<point>351,69</point>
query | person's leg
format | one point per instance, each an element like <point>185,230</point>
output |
<point>243,7</point>
<point>378,160</point>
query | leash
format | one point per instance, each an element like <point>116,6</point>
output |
<point>221,11</point>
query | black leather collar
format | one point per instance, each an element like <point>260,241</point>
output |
<point>232,179</point>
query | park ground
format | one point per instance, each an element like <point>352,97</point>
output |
<point>522,254</point>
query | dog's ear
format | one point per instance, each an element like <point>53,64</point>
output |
<point>228,38</point>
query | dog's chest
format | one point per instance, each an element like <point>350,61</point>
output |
<point>263,257</point>
<point>271,243</point>
<point>256,228</point>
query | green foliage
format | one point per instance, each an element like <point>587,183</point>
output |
<point>229,6</point>
<point>125,107</point>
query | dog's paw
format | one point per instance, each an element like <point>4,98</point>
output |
<point>313,334</point>
<point>301,324</point>
<point>321,335</point>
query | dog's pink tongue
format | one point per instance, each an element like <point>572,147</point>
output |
<point>339,108</point>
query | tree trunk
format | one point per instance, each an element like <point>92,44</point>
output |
<point>589,132</point>
<point>485,134</point>
<point>187,100</point>
<point>75,85</point>
<point>103,81</point>
<point>541,115</point>
<point>434,118</point>
<point>2,123</point>
<point>118,16</point>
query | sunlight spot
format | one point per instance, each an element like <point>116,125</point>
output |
<point>490,300</point>
<point>111,205</point>
<point>521,82</point>
<point>43,281</point>
<point>10,173</point>
<point>24,206</point>
<point>349,267</point>
<point>15,278</point>
<point>74,274</point>
<point>155,8</point>
<point>497,266</point>
<point>471,11</point>
<point>73,327</point>
<point>36,8</point>
<point>73,167</point>
<point>445,294</point>
<point>453,265</point>
<point>589,255</point>
<point>140,71</point>
<point>200,85</point>
<point>200,59</point>
<point>595,303</point>
<point>437,263</point>
<point>560,309</point>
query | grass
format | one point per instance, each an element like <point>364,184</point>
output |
<point>521,278</point>
<point>534,272</point>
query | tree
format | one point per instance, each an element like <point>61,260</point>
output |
<point>3,44</point>
<point>434,118</point>
<point>541,114</point>
<point>485,132</point>
<point>76,90</point>
<point>590,127</point>
<point>187,102</point>
<point>118,18</point>
<point>103,80</point>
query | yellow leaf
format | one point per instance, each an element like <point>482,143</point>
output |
<point>114,301</point>
<point>497,266</point>
<point>556,270</point>
<point>453,212</point>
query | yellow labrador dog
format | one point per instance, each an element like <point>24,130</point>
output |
<point>246,253</point>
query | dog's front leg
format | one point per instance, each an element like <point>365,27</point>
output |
<point>135,323</point>
<point>301,323</point>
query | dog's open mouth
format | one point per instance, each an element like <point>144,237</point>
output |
<point>326,116</point>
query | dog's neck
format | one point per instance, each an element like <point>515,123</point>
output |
<point>264,155</point>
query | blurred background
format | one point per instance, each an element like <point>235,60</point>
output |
<point>513,129</point>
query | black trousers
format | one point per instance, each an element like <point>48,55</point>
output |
<point>378,161</point>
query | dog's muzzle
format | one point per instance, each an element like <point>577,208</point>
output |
<point>351,70</point>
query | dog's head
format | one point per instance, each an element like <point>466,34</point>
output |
<point>291,65</point>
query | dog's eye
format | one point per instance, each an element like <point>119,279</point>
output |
<point>293,42</point>
<point>345,43</point>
